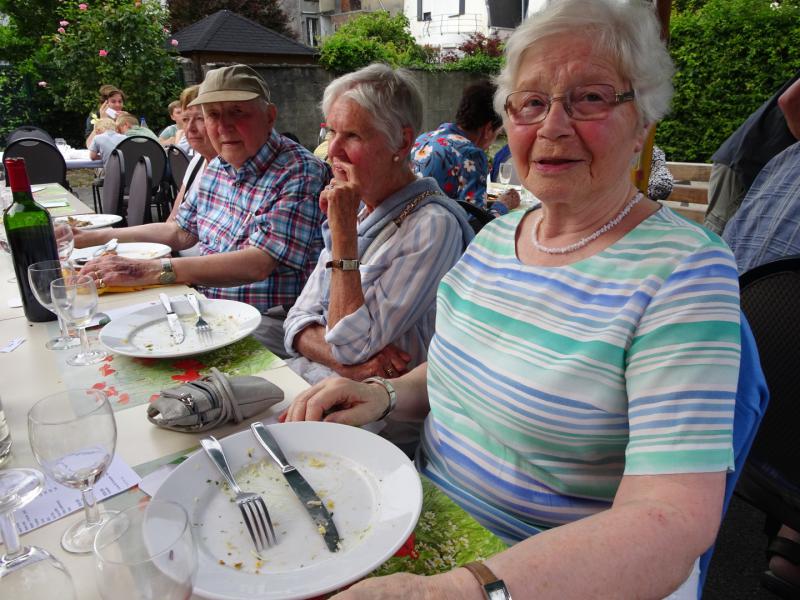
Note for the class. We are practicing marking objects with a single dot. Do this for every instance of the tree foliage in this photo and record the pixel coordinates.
(268, 13)
(730, 55)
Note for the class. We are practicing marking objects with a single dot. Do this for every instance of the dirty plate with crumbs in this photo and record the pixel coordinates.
(369, 486)
(145, 332)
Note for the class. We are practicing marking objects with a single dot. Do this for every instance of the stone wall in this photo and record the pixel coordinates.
(297, 91)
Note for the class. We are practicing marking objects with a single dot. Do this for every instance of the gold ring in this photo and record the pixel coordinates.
(100, 283)
(389, 371)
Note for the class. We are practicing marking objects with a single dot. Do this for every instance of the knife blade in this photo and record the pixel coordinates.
(172, 320)
(306, 494)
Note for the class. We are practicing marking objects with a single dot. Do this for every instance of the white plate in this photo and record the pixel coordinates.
(96, 221)
(140, 250)
(145, 332)
(371, 487)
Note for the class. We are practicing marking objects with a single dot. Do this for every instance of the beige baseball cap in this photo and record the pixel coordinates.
(231, 84)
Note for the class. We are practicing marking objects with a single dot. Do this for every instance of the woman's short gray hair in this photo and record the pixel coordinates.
(390, 95)
(625, 29)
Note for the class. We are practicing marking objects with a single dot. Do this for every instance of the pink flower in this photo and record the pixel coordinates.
(103, 53)
(63, 23)
(61, 30)
(43, 84)
(174, 42)
(83, 6)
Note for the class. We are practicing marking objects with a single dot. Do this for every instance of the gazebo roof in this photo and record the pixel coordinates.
(229, 33)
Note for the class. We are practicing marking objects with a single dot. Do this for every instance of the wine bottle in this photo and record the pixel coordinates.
(30, 237)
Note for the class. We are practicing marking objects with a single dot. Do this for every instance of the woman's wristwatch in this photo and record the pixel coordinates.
(493, 588)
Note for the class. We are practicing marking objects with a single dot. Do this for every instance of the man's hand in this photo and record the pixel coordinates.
(510, 198)
(111, 270)
(389, 362)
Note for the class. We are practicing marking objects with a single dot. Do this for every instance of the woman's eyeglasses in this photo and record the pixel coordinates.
(583, 103)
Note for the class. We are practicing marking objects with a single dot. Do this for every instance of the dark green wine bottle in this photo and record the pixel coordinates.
(30, 236)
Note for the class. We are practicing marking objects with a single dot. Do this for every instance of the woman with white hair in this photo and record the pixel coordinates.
(580, 386)
(369, 306)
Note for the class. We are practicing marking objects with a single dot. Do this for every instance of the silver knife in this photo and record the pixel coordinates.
(308, 497)
(172, 320)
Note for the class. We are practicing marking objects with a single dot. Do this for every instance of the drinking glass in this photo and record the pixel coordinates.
(146, 553)
(75, 299)
(40, 276)
(506, 170)
(73, 435)
(26, 571)
(64, 239)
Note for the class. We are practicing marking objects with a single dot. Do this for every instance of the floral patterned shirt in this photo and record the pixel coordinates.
(456, 163)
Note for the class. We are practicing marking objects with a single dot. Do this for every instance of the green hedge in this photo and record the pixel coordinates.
(730, 56)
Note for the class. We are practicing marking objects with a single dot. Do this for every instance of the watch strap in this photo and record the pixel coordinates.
(346, 264)
(493, 588)
(387, 385)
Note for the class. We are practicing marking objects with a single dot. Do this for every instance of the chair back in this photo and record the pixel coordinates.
(771, 480)
(478, 217)
(140, 193)
(43, 161)
(752, 398)
(178, 163)
(30, 132)
(137, 146)
(113, 184)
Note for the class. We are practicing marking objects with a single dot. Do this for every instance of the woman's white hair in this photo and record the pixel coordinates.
(390, 95)
(627, 30)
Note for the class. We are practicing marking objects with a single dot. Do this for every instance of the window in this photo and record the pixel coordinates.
(426, 16)
(312, 31)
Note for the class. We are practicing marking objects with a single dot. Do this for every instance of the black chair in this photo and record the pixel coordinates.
(137, 146)
(140, 196)
(770, 480)
(113, 184)
(43, 161)
(479, 216)
(178, 163)
(30, 132)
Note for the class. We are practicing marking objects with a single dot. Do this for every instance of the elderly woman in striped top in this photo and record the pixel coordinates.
(580, 386)
(369, 306)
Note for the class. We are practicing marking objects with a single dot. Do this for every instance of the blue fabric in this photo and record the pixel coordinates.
(752, 397)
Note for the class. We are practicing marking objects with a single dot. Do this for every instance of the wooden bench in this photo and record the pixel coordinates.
(689, 195)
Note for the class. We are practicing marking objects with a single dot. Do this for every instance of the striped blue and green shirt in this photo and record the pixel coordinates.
(548, 384)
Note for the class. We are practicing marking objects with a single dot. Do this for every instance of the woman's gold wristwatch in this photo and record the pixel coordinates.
(494, 588)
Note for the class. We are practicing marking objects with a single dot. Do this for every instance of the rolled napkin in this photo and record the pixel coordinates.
(206, 403)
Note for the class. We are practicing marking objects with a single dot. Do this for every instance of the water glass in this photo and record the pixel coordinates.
(64, 239)
(73, 435)
(146, 553)
(40, 276)
(5, 437)
(75, 299)
(506, 170)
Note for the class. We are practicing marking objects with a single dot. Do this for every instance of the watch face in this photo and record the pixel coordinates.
(166, 277)
(497, 590)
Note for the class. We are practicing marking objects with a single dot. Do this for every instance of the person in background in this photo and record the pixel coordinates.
(255, 211)
(169, 134)
(105, 138)
(128, 125)
(740, 158)
(112, 101)
(454, 154)
(368, 308)
(580, 386)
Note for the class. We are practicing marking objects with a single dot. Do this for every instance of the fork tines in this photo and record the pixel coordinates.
(256, 518)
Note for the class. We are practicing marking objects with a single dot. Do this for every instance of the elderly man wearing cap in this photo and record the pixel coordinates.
(255, 213)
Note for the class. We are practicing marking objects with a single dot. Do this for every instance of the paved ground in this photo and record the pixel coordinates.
(739, 555)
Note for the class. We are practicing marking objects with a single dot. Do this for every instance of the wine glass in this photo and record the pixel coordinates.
(40, 276)
(64, 239)
(506, 170)
(75, 299)
(26, 571)
(73, 434)
(146, 553)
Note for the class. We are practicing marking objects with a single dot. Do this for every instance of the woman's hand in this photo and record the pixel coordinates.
(102, 112)
(341, 198)
(348, 402)
(111, 270)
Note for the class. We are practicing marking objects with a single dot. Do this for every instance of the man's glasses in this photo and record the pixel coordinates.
(583, 102)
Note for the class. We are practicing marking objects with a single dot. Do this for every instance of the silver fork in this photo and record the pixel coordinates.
(203, 328)
(252, 507)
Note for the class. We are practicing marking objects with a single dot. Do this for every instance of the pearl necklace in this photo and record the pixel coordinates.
(589, 238)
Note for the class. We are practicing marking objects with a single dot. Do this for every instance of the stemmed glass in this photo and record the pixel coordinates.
(506, 169)
(64, 239)
(75, 299)
(146, 553)
(26, 571)
(40, 276)
(73, 435)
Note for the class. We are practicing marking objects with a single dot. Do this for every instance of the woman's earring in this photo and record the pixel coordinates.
(395, 158)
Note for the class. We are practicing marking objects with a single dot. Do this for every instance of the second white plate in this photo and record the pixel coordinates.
(94, 221)
(138, 250)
